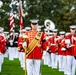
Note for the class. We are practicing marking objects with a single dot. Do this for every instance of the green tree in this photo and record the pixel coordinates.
(61, 12)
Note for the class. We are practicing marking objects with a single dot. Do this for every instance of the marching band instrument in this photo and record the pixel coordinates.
(11, 42)
(67, 41)
(49, 24)
(24, 45)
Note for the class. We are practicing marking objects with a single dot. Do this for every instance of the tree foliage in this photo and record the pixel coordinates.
(61, 12)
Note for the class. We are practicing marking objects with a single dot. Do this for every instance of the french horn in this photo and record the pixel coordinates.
(49, 24)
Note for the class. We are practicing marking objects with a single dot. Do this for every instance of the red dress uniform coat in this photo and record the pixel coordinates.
(70, 51)
(54, 43)
(20, 42)
(46, 43)
(37, 51)
(75, 49)
(2, 44)
(61, 44)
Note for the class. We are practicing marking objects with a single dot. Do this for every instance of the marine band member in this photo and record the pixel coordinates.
(33, 60)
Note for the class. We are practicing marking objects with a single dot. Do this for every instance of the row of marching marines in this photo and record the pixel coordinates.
(57, 51)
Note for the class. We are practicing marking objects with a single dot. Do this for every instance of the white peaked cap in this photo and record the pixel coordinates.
(1, 29)
(16, 33)
(72, 26)
(62, 32)
(34, 21)
(27, 28)
(23, 30)
(45, 29)
(55, 30)
(6, 32)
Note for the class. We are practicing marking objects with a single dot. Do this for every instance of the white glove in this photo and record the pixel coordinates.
(44, 53)
(63, 49)
(24, 44)
(52, 44)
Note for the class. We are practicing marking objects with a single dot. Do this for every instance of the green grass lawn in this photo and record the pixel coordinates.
(13, 68)
(49, 71)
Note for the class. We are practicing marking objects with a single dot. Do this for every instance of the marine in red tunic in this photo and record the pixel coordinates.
(70, 50)
(54, 41)
(37, 51)
(33, 61)
(61, 43)
(2, 44)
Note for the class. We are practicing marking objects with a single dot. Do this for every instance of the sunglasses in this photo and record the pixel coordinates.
(55, 32)
(34, 23)
(62, 34)
(46, 31)
(73, 28)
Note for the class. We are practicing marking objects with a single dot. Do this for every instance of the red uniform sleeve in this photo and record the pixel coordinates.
(2, 44)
